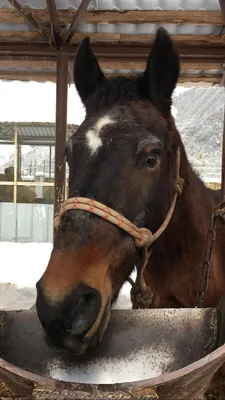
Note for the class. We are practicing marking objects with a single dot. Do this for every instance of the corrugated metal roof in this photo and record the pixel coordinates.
(124, 4)
(128, 5)
(140, 29)
(31, 133)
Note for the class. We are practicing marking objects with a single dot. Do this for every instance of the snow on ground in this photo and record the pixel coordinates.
(22, 264)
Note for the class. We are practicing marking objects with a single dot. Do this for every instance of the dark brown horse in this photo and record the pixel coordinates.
(124, 156)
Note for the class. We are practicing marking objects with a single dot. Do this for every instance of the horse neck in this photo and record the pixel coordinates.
(186, 231)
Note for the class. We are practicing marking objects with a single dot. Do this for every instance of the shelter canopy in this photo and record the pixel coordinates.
(121, 31)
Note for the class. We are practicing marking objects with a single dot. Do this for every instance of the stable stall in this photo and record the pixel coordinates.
(27, 171)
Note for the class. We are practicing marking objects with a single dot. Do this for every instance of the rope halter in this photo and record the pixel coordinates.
(143, 237)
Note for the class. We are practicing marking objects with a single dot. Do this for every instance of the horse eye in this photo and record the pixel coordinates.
(152, 159)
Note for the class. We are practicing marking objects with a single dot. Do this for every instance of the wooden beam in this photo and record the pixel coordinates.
(21, 49)
(200, 78)
(51, 76)
(113, 64)
(155, 16)
(135, 51)
(76, 20)
(211, 79)
(188, 40)
(222, 83)
(54, 23)
(191, 40)
(29, 17)
(20, 36)
(120, 64)
(223, 161)
(222, 6)
(33, 63)
(28, 76)
(123, 17)
(116, 38)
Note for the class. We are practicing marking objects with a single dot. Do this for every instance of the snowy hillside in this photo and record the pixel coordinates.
(199, 119)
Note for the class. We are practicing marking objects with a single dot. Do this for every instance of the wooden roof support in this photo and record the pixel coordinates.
(51, 76)
(108, 64)
(222, 82)
(54, 23)
(28, 76)
(29, 16)
(134, 51)
(76, 20)
(222, 6)
(198, 40)
(187, 40)
(212, 17)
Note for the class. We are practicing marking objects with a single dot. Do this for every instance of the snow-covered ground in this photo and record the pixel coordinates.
(22, 264)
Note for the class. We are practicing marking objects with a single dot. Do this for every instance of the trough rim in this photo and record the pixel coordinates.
(216, 355)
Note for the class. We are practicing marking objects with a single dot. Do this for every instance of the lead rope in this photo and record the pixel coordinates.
(141, 294)
(218, 216)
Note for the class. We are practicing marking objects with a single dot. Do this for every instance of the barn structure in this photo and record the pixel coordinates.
(39, 39)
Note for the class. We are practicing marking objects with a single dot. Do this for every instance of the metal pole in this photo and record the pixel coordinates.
(50, 163)
(15, 164)
(223, 158)
(18, 157)
(61, 125)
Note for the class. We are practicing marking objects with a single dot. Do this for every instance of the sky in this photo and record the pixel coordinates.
(35, 102)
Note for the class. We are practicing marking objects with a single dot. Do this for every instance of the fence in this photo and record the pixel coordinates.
(34, 222)
(26, 222)
(213, 185)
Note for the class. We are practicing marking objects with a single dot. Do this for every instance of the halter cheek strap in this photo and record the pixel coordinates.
(141, 294)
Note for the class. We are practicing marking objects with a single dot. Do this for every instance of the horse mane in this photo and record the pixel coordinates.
(114, 91)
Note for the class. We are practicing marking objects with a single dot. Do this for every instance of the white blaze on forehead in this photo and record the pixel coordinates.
(93, 135)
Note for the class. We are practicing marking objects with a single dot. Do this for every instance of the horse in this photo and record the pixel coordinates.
(125, 156)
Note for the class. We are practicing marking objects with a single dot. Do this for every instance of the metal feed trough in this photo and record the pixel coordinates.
(145, 354)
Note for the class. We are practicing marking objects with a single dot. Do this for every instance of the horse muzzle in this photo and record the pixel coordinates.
(78, 344)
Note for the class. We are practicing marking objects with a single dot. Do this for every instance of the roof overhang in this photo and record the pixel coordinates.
(32, 31)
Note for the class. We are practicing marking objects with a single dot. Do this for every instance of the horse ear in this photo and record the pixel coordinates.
(87, 72)
(162, 72)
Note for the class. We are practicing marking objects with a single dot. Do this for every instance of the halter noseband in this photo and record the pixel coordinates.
(141, 294)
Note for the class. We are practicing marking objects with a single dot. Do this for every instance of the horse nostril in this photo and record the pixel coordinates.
(73, 317)
(86, 300)
(83, 313)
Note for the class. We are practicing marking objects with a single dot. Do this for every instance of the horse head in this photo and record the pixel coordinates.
(123, 155)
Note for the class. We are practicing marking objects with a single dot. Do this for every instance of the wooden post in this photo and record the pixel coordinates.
(61, 125)
(222, 83)
(223, 158)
